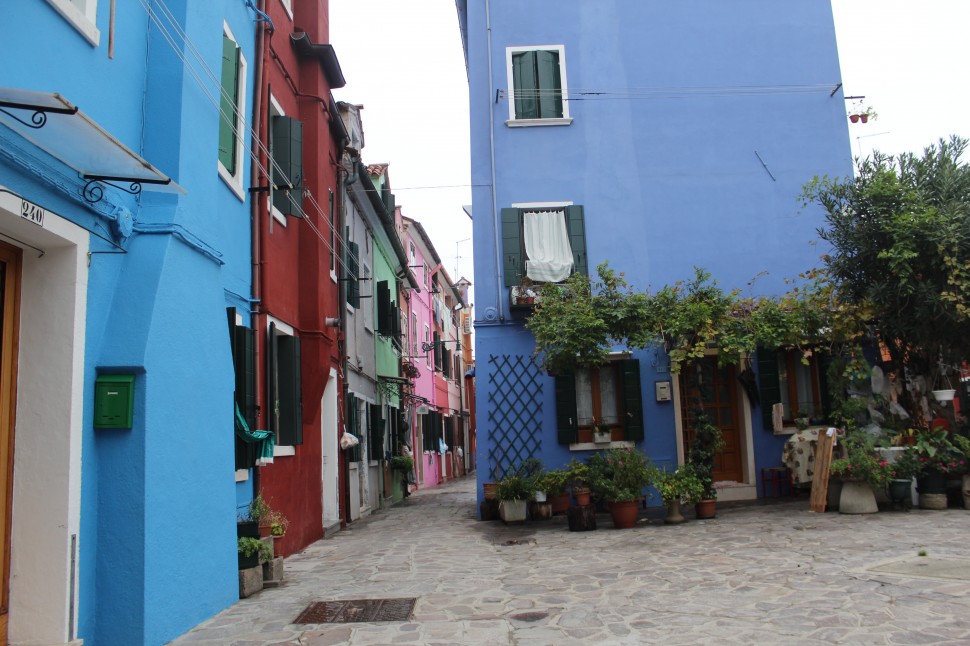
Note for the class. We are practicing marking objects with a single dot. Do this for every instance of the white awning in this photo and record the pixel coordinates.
(56, 126)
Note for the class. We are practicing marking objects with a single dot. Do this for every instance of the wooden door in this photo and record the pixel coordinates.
(9, 336)
(716, 390)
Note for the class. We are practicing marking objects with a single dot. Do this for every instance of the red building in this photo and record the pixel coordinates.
(297, 268)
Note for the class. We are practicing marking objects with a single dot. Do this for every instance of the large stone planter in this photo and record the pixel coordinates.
(857, 498)
(512, 511)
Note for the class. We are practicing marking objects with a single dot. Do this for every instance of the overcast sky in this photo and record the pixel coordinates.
(403, 61)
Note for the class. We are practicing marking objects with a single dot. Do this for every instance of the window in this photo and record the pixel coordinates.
(527, 250)
(414, 333)
(288, 7)
(82, 14)
(800, 388)
(537, 78)
(286, 150)
(333, 238)
(608, 396)
(352, 266)
(388, 313)
(285, 387)
(427, 340)
(375, 433)
(231, 110)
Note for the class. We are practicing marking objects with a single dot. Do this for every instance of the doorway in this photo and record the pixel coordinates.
(330, 454)
(714, 389)
(10, 267)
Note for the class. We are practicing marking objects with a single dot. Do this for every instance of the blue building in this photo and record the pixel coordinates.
(658, 136)
(124, 238)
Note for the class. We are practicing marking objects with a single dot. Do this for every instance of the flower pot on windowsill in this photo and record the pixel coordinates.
(601, 437)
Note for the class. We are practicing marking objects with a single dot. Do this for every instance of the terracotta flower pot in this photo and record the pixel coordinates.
(624, 513)
(854, 118)
(705, 509)
(582, 497)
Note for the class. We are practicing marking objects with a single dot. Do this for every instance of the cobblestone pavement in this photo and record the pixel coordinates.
(757, 574)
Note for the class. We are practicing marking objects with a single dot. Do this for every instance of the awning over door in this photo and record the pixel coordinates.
(56, 126)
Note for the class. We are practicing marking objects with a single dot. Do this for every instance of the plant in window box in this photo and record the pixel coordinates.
(402, 463)
(252, 552)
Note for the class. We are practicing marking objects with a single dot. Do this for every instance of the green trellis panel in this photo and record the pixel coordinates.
(515, 411)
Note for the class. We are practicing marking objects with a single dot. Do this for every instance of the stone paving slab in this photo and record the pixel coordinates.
(758, 573)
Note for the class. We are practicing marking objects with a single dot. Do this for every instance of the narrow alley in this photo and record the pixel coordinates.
(756, 573)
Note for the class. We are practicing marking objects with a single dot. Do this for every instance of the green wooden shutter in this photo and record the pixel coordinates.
(383, 308)
(550, 84)
(229, 104)
(769, 384)
(436, 349)
(512, 266)
(375, 438)
(576, 227)
(632, 399)
(272, 382)
(525, 85)
(290, 391)
(567, 422)
(244, 360)
(396, 323)
(353, 272)
(287, 150)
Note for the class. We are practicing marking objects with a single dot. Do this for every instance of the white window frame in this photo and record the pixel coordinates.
(235, 180)
(82, 15)
(512, 122)
(275, 110)
(288, 7)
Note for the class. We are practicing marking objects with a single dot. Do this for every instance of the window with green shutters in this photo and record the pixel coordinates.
(285, 387)
(514, 254)
(352, 425)
(286, 147)
(608, 397)
(537, 81)
(375, 434)
(800, 386)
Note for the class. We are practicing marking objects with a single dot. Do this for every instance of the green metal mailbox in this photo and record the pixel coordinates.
(114, 401)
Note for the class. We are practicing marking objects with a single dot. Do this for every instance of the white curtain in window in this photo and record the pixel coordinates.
(608, 413)
(584, 396)
(547, 244)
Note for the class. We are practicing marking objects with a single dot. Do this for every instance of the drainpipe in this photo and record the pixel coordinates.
(499, 285)
(256, 240)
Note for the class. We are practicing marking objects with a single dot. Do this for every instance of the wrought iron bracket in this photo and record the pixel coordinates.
(39, 118)
(93, 191)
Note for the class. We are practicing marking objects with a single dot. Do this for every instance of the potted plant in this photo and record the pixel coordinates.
(676, 488)
(619, 476)
(402, 463)
(937, 458)
(578, 477)
(554, 483)
(278, 524)
(513, 494)
(259, 512)
(706, 443)
(252, 552)
(905, 466)
(861, 470)
(962, 445)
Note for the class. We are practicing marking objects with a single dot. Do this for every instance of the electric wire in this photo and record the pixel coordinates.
(172, 42)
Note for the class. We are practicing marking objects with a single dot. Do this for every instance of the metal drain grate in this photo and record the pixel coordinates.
(356, 610)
